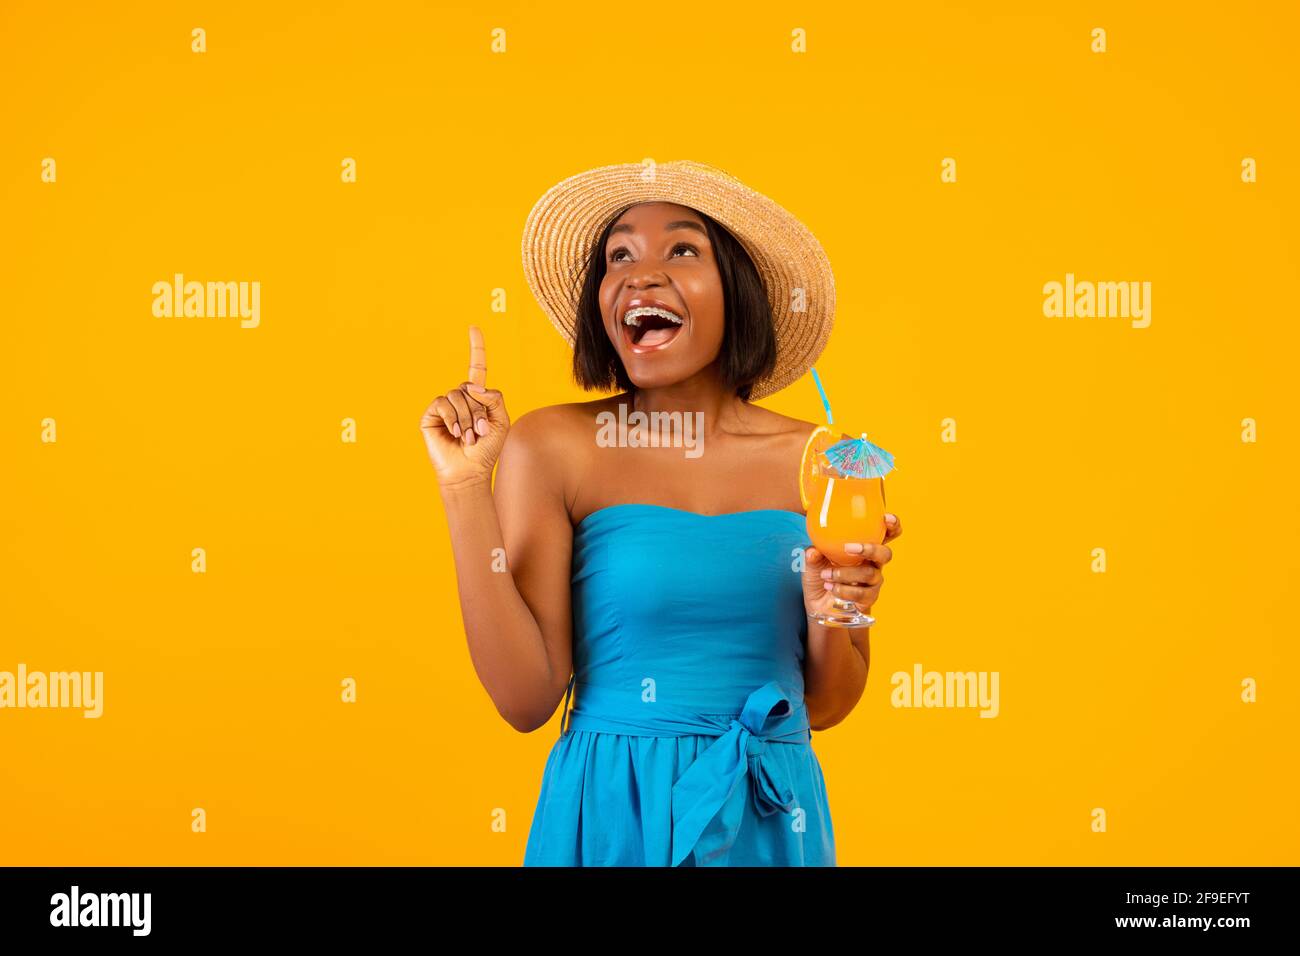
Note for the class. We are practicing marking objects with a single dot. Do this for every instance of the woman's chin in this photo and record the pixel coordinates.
(650, 377)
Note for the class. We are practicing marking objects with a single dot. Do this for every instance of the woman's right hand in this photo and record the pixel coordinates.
(466, 428)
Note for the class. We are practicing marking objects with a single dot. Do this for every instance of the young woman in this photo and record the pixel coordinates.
(663, 577)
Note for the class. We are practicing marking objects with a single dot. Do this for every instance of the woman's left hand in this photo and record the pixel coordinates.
(824, 581)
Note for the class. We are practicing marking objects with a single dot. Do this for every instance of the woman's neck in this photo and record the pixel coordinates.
(722, 410)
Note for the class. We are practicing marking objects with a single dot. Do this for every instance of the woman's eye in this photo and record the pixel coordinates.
(613, 256)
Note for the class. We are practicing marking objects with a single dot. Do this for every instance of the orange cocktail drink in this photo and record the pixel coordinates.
(840, 509)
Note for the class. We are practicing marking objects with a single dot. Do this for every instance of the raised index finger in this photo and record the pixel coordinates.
(477, 356)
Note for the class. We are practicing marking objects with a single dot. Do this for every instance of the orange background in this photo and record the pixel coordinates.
(329, 560)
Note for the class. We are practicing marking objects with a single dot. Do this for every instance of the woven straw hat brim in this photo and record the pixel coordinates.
(565, 222)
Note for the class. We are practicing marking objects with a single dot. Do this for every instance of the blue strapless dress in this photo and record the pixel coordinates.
(689, 742)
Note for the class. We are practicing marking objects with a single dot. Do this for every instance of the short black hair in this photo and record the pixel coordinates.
(748, 350)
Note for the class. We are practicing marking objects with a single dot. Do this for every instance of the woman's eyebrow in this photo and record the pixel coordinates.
(669, 227)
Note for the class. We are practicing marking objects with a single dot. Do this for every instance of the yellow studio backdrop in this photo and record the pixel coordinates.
(1099, 510)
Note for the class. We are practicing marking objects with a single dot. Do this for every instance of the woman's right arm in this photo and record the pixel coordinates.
(512, 550)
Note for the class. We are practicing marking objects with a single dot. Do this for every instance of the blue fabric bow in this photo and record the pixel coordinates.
(708, 799)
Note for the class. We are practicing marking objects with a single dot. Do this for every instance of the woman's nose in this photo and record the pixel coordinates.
(647, 278)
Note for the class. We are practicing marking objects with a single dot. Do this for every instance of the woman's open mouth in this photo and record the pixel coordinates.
(650, 328)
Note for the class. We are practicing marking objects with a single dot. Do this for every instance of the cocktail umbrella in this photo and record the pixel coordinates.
(859, 458)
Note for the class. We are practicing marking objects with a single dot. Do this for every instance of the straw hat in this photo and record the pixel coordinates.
(571, 214)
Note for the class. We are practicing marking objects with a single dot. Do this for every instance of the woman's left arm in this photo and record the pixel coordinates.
(837, 660)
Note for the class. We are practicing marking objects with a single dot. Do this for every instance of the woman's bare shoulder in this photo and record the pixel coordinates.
(777, 424)
(562, 421)
(552, 442)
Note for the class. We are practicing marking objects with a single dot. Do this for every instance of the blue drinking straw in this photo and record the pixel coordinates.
(825, 401)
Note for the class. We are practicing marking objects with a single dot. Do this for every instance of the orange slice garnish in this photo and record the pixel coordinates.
(808, 464)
